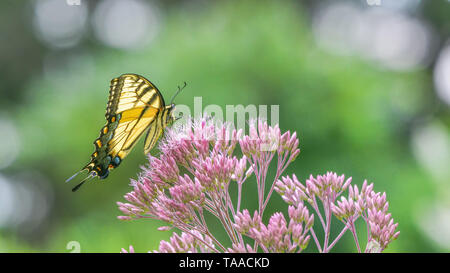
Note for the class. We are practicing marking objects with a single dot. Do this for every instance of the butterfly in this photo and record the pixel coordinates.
(134, 106)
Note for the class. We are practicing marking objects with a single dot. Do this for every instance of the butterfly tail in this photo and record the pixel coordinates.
(90, 176)
(73, 176)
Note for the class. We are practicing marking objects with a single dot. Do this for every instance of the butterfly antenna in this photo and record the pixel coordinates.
(83, 181)
(178, 92)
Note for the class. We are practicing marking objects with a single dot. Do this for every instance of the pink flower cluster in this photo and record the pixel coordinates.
(278, 235)
(365, 203)
(190, 181)
(193, 242)
(184, 243)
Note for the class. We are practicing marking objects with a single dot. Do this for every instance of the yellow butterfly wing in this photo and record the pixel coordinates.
(131, 126)
(164, 118)
(131, 91)
(134, 105)
(153, 134)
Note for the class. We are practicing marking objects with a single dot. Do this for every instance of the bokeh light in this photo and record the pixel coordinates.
(126, 24)
(434, 220)
(25, 200)
(333, 27)
(9, 142)
(389, 37)
(399, 41)
(6, 202)
(401, 5)
(431, 147)
(442, 75)
(58, 24)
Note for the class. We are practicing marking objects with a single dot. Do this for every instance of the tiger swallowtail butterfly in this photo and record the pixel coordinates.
(134, 106)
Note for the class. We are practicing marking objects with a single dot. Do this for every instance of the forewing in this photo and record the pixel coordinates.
(131, 91)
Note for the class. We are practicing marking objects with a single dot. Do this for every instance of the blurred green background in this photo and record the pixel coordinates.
(366, 85)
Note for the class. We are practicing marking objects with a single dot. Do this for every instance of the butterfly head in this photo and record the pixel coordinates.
(170, 116)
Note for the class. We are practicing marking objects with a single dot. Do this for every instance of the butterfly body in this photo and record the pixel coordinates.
(135, 105)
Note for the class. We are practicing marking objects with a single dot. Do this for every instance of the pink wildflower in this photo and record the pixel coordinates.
(197, 164)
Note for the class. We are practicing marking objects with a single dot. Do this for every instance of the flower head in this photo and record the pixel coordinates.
(382, 226)
(191, 178)
(187, 242)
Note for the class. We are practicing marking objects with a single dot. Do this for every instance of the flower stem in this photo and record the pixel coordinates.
(337, 238)
(316, 240)
(355, 236)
